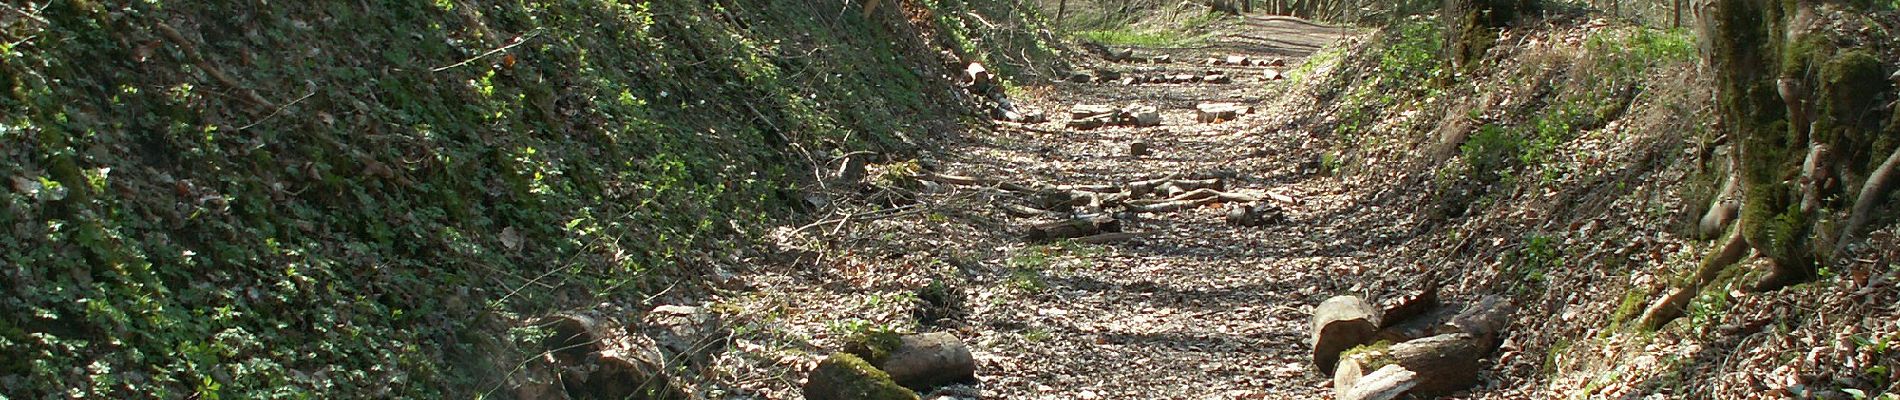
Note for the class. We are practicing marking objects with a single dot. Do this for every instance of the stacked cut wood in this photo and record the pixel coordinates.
(1209, 77)
(1244, 61)
(1220, 112)
(1436, 350)
(1091, 116)
(1160, 195)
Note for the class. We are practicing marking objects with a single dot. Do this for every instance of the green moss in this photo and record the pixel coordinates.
(1375, 355)
(843, 376)
(1851, 84)
(874, 346)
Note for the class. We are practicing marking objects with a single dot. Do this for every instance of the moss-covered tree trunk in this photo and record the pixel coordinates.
(1800, 110)
(1472, 26)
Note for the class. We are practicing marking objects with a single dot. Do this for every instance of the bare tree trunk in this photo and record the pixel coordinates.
(1061, 9)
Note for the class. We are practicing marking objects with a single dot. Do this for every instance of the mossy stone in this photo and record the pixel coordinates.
(844, 376)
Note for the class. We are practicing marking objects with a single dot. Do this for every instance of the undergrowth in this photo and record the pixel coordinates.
(336, 199)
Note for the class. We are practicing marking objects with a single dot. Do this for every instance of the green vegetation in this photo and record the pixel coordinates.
(326, 199)
(1131, 37)
(843, 376)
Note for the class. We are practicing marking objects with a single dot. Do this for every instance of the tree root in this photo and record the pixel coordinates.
(1672, 306)
(1878, 184)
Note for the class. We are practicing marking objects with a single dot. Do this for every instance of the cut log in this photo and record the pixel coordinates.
(1484, 322)
(977, 76)
(1071, 229)
(1238, 60)
(1142, 116)
(1340, 323)
(1131, 80)
(1444, 364)
(927, 360)
(1167, 206)
(1080, 78)
(1411, 304)
(1254, 214)
(1091, 122)
(1272, 75)
(1215, 61)
(1139, 148)
(1385, 384)
(1220, 79)
(1085, 111)
(1217, 112)
(1277, 62)
(1183, 78)
(844, 376)
(1161, 59)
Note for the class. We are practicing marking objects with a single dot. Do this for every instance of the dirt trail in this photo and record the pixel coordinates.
(1201, 309)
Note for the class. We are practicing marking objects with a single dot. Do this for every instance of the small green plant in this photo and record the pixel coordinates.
(1037, 334)
(1489, 154)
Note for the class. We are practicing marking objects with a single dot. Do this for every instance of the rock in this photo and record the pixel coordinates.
(575, 337)
(1385, 384)
(1217, 112)
(685, 336)
(1131, 80)
(844, 376)
(1107, 75)
(1121, 55)
(919, 361)
(1277, 62)
(1080, 78)
(1161, 59)
(620, 377)
(1139, 148)
(1183, 78)
(1215, 61)
(1272, 75)
(1340, 323)
(1238, 60)
(1444, 364)
(1218, 79)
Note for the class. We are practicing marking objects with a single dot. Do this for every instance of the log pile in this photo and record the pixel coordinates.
(1421, 349)
(1208, 77)
(1244, 61)
(1091, 116)
(1100, 202)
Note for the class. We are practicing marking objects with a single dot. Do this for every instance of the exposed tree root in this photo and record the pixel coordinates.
(1672, 306)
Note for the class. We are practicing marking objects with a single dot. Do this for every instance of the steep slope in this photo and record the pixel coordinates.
(346, 199)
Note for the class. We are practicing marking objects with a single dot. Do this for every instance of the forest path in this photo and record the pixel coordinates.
(1198, 309)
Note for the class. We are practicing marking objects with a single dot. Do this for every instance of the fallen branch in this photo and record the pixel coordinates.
(518, 41)
(198, 59)
(1112, 237)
